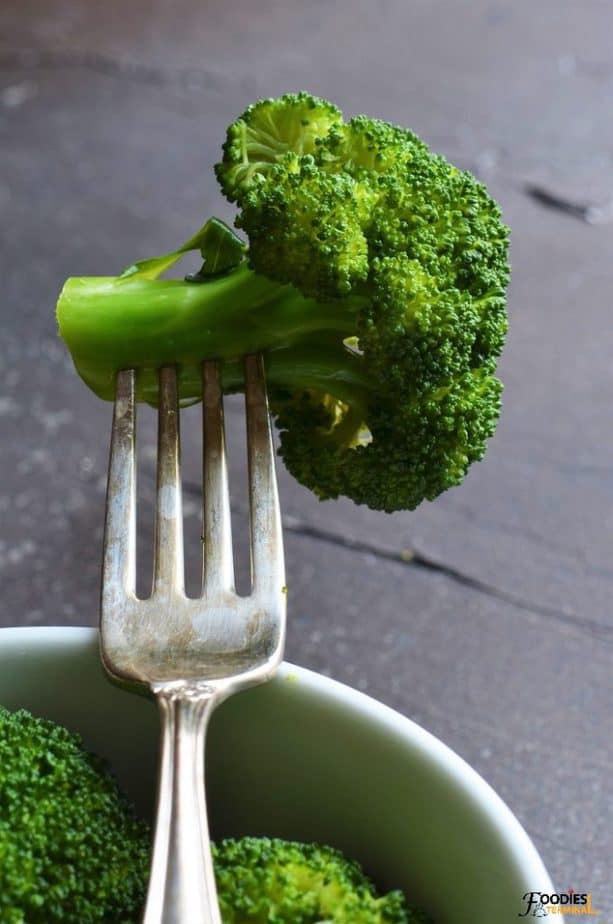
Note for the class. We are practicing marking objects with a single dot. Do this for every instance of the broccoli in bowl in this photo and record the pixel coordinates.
(72, 850)
(373, 280)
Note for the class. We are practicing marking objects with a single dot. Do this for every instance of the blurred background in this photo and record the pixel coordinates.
(486, 615)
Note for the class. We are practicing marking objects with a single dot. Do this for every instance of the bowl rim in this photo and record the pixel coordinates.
(407, 733)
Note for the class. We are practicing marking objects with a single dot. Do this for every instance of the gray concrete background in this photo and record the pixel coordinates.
(497, 634)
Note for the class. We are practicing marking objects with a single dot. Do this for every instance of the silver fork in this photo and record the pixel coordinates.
(191, 653)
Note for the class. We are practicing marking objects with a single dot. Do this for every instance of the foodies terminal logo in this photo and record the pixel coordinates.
(543, 904)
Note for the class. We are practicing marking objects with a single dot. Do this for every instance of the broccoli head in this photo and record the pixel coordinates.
(373, 281)
(71, 849)
(260, 880)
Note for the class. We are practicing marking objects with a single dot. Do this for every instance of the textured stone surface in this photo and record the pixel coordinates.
(498, 635)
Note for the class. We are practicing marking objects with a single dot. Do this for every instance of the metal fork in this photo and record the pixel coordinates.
(191, 653)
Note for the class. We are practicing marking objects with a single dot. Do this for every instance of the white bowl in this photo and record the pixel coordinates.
(307, 758)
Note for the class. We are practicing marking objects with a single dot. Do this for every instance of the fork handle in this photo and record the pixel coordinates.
(182, 881)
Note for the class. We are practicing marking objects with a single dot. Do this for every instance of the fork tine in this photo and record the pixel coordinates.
(119, 555)
(267, 567)
(168, 548)
(218, 563)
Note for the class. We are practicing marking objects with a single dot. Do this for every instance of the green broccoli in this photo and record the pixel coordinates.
(71, 849)
(262, 880)
(374, 282)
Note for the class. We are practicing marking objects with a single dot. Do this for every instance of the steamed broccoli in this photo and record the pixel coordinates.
(262, 880)
(70, 848)
(374, 282)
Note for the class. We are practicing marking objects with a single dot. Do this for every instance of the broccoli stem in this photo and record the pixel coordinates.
(111, 323)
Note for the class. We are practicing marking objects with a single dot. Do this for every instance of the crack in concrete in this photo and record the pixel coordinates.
(591, 214)
(413, 556)
(579, 468)
(188, 79)
(417, 558)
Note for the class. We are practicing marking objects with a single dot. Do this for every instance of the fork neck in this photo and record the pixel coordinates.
(182, 884)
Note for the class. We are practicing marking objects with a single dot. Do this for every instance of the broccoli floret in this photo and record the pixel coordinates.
(267, 131)
(374, 282)
(262, 880)
(71, 850)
